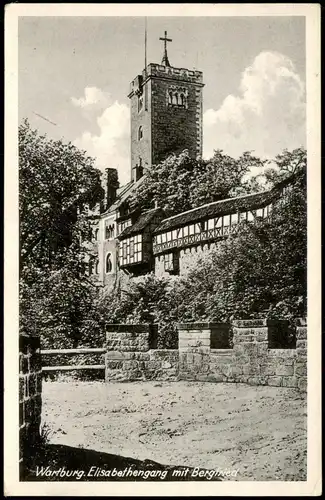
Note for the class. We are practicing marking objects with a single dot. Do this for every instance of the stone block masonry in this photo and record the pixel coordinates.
(131, 354)
(30, 394)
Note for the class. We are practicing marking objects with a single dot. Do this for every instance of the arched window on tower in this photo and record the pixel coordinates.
(108, 264)
(182, 100)
(175, 98)
(170, 98)
(140, 133)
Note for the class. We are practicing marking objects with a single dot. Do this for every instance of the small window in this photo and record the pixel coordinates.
(182, 100)
(140, 102)
(109, 266)
(234, 219)
(96, 234)
(91, 266)
(96, 267)
(132, 248)
(109, 231)
(140, 133)
(226, 220)
(170, 98)
(250, 216)
(175, 98)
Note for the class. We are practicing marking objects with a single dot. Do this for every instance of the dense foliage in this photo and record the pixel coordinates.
(259, 270)
(180, 183)
(57, 184)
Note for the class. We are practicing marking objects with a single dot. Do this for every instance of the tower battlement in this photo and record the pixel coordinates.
(166, 72)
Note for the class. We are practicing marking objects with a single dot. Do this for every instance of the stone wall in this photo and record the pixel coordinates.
(251, 360)
(30, 394)
(131, 354)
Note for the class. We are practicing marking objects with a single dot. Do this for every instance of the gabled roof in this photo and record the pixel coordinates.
(122, 194)
(219, 208)
(144, 219)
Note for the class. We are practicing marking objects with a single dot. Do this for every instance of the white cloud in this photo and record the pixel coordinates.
(266, 116)
(93, 98)
(111, 146)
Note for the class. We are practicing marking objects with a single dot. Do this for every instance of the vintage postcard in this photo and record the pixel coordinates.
(162, 250)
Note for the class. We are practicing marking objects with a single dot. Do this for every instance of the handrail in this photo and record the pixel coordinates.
(80, 350)
(72, 367)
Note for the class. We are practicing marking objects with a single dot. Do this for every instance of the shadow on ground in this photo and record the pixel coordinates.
(56, 462)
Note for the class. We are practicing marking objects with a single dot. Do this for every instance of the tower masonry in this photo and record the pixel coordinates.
(166, 114)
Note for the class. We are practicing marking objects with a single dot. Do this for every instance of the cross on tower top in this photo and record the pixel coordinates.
(165, 60)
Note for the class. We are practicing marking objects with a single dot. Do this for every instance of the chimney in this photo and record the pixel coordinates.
(111, 184)
(138, 170)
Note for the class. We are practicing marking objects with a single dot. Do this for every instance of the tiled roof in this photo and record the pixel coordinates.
(141, 223)
(218, 208)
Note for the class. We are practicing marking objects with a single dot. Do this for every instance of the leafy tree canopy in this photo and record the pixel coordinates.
(57, 185)
(180, 182)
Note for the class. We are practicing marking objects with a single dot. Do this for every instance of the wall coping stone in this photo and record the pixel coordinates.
(201, 326)
(129, 328)
(251, 323)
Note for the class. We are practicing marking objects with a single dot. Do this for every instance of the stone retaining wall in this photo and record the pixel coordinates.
(251, 360)
(30, 394)
(131, 354)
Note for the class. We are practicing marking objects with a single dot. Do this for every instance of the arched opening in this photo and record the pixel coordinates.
(97, 267)
(96, 234)
(182, 99)
(175, 98)
(170, 98)
(108, 266)
(140, 133)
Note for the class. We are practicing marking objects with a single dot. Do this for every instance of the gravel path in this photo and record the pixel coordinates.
(261, 431)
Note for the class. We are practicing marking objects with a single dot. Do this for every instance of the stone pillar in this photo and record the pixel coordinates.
(30, 394)
(194, 350)
(127, 348)
(250, 349)
(301, 354)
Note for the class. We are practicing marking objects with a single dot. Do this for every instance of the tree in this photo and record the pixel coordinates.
(259, 270)
(286, 164)
(57, 184)
(180, 183)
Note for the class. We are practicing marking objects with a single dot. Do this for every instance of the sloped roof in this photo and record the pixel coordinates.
(218, 208)
(122, 194)
(144, 219)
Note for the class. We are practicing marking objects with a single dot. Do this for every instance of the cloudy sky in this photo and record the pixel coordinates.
(75, 72)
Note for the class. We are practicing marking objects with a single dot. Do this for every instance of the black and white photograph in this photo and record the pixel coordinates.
(159, 250)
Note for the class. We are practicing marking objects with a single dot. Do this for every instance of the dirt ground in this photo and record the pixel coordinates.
(259, 431)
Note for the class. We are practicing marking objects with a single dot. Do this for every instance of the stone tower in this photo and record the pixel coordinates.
(166, 113)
